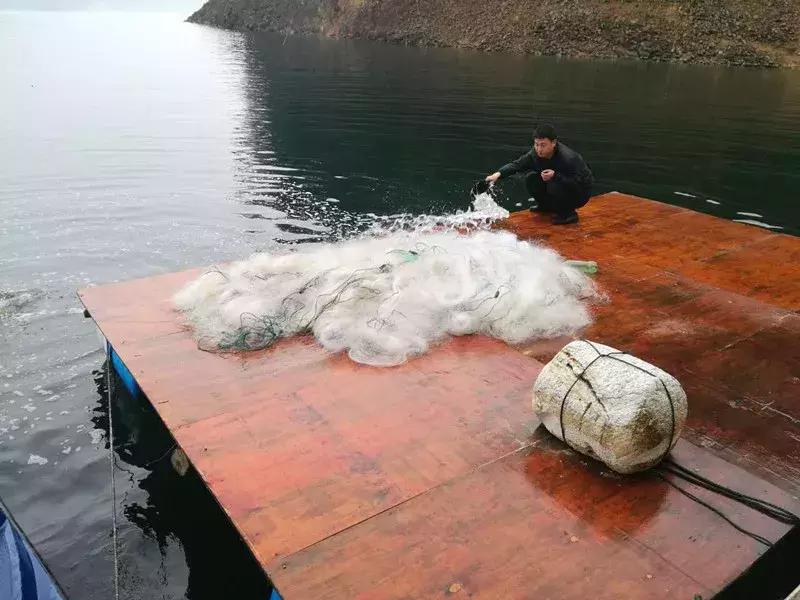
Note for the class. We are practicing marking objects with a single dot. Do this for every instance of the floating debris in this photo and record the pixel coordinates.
(35, 459)
(749, 214)
(684, 194)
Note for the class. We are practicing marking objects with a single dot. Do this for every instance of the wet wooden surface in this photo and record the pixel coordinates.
(431, 480)
(715, 303)
(538, 524)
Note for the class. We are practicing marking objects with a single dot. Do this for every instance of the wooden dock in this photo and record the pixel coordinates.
(431, 480)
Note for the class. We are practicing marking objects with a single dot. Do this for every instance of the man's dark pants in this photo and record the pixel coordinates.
(555, 196)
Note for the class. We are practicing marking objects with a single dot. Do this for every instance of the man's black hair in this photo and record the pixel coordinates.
(545, 130)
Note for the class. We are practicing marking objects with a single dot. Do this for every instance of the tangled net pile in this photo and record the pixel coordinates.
(386, 298)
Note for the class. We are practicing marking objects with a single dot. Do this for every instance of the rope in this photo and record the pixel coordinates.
(768, 509)
(670, 467)
(163, 456)
(113, 478)
(691, 496)
(616, 356)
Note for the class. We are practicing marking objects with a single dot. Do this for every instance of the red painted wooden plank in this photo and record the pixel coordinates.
(541, 523)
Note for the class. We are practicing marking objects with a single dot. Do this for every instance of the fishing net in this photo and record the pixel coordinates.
(390, 295)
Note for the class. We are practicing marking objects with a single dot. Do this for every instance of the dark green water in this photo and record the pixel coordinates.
(137, 144)
(412, 128)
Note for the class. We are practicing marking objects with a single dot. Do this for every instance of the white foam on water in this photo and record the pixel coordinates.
(713, 202)
(482, 213)
(757, 224)
(750, 214)
(684, 194)
(35, 459)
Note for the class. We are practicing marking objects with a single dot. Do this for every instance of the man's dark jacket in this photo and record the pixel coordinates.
(571, 170)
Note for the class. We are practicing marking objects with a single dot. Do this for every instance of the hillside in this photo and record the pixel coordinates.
(735, 32)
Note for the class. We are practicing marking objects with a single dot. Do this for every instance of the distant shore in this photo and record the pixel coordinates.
(732, 32)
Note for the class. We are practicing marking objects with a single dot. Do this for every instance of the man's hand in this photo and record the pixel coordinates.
(548, 174)
(493, 177)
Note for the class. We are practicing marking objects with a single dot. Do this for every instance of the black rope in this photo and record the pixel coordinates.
(160, 458)
(578, 377)
(769, 509)
(670, 467)
(755, 536)
(616, 356)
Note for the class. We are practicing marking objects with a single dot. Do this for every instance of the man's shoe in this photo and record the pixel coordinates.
(535, 207)
(566, 219)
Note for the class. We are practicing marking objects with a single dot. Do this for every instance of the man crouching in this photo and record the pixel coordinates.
(556, 177)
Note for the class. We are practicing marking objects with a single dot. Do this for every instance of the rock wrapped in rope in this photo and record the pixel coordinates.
(610, 405)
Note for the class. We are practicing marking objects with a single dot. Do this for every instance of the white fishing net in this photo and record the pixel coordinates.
(390, 295)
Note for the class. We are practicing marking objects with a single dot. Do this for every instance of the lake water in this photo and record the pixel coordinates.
(137, 144)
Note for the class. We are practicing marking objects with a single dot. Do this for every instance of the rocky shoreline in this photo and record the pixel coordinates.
(731, 32)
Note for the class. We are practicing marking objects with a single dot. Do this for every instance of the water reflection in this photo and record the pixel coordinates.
(173, 536)
(383, 129)
(138, 145)
(607, 502)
